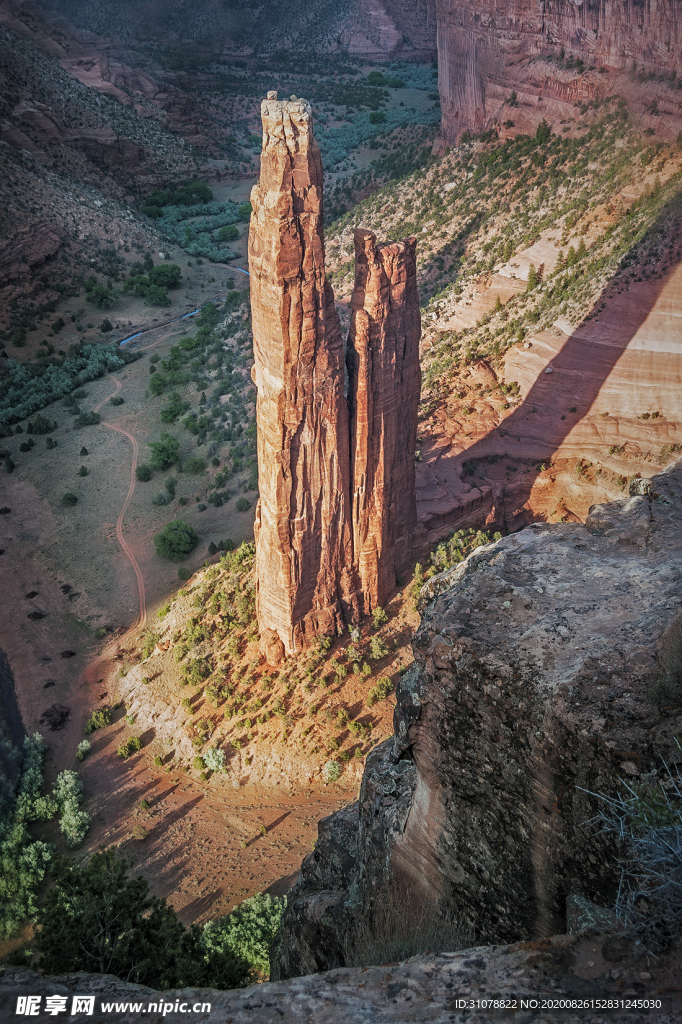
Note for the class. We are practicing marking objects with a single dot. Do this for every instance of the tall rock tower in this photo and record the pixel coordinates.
(383, 395)
(337, 510)
(304, 555)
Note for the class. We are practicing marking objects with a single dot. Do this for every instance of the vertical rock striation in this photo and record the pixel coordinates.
(383, 396)
(337, 511)
(302, 529)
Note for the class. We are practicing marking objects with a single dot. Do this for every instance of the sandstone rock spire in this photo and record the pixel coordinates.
(304, 553)
(383, 396)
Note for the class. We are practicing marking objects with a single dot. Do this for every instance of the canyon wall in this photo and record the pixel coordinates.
(481, 46)
(337, 510)
(384, 387)
(532, 689)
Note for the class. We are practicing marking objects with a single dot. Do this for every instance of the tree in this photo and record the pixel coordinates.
(533, 278)
(97, 918)
(175, 541)
(228, 234)
(100, 296)
(143, 472)
(243, 504)
(69, 499)
(166, 275)
(165, 452)
(106, 326)
(544, 133)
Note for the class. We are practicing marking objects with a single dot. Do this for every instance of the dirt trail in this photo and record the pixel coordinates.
(119, 522)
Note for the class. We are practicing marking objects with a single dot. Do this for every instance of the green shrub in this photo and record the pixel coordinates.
(379, 617)
(83, 471)
(41, 425)
(243, 504)
(377, 648)
(195, 466)
(331, 771)
(69, 499)
(24, 861)
(99, 719)
(158, 760)
(116, 400)
(86, 419)
(143, 472)
(198, 763)
(184, 573)
(68, 794)
(383, 689)
(215, 760)
(84, 748)
(249, 931)
(165, 452)
(129, 746)
(175, 541)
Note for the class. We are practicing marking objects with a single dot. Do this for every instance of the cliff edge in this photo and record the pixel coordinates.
(534, 686)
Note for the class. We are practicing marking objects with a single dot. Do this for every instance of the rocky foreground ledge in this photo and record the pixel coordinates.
(581, 979)
(541, 666)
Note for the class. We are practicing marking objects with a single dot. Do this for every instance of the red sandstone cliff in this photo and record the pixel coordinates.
(383, 394)
(302, 528)
(482, 46)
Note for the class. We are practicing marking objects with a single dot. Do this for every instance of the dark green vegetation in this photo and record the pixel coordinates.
(96, 918)
(25, 389)
(175, 541)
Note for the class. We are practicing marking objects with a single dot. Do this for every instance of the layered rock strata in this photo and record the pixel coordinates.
(302, 529)
(383, 393)
(337, 513)
(481, 44)
(532, 689)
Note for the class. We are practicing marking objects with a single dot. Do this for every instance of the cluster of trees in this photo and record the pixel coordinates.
(95, 917)
(24, 389)
(192, 194)
(153, 282)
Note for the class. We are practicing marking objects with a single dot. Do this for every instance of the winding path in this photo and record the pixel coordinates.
(119, 522)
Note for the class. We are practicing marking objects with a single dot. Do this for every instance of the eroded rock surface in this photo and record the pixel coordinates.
(531, 690)
(302, 528)
(385, 382)
(336, 518)
(438, 989)
(483, 51)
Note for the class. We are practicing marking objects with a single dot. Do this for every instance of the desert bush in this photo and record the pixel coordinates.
(129, 746)
(143, 472)
(83, 471)
(199, 763)
(165, 452)
(249, 931)
(331, 771)
(195, 466)
(68, 794)
(377, 648)
(215, 759)
(69, 499)
(646, 821)
(41, 425)
(379, 617)
(99, 719)
(243, 504)
(84, 748)
(24, 861)
(184, 573)
(116, 400)
(383, 689)
(175, 541)
(86, 419)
